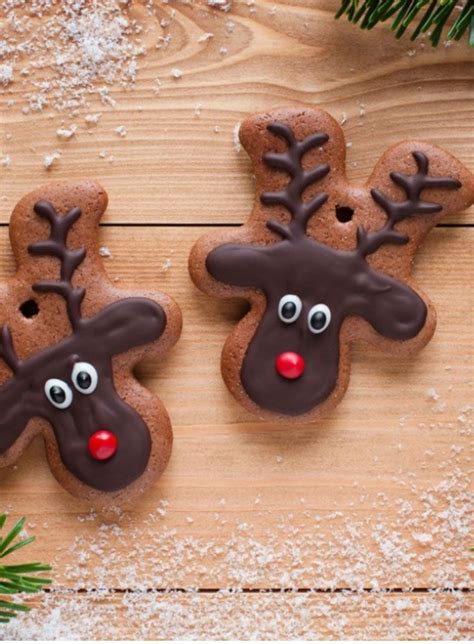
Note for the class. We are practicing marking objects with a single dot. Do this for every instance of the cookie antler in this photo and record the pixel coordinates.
(314, 290)
(413, 185)
(7, 350)
(105, 437)
(292, 196)
(56, 246)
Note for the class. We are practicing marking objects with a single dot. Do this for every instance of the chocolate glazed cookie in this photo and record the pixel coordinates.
(69, 341)
(323, 263)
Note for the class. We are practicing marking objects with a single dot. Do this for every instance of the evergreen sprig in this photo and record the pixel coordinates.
(19, 578)
(402, 13)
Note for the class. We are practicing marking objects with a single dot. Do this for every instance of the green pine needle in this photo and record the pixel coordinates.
(424, 15)
(17, 578)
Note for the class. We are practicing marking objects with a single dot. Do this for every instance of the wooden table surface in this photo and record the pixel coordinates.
(374, 498)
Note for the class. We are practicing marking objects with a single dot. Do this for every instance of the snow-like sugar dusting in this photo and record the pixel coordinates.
(77, 46)
(374, 560)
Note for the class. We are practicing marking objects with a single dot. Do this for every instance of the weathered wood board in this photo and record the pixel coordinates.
(377, 495)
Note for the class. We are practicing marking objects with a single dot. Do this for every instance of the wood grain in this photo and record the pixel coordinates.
(270, 616)
(377, 496)
(399, 434)
(174, 167)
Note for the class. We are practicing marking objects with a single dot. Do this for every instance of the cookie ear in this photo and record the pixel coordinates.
(402, 160)
(393, 308)
(238, 265)
(126, 324)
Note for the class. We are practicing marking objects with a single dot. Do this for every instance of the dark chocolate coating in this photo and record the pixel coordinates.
(117, 328)
(319, 274)
(121, 326)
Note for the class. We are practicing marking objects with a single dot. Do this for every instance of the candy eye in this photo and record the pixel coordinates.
(85, 378)
(289, 308)
(58, 393)
(319, 318)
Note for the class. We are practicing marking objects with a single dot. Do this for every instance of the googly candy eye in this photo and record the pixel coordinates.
(289, 308)
(58, 393)
(319, 318)
(85, 378)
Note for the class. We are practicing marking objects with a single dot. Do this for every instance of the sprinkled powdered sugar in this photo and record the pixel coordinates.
(223, 5)
(5, 161)
(81, 50)
(235, 137)
(72, 56)
(374, 559)
(92, 119)
(104, 251)
(77, 46)
(230, 615)
(50, 159)
(6, 74)
(121, 130)
(66, 132)
(205, 37)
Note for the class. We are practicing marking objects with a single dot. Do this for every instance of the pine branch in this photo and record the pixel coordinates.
(19, 578)
(404, 13)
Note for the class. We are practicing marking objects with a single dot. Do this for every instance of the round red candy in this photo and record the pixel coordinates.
(290, 365)
(102, 445)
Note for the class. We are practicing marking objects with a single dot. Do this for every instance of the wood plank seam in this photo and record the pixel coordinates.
(257, 591)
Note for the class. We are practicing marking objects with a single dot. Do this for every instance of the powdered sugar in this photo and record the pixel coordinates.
(418, 533)
(50, 159)
(6, 74)
(233, 615)
(66, 132)
(235, 137)
(78, 49)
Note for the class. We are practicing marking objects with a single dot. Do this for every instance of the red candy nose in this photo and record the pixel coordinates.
(102, 445)
(290, 365)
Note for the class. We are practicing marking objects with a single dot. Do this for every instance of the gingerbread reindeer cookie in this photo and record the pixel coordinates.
(69, 341)
(323, 263)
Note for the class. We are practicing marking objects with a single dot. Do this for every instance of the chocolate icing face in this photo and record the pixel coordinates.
(317, 274)
(329, 284)
(71, 383)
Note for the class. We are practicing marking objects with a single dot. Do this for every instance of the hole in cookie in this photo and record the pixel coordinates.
(29, 309)
(344, 214)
